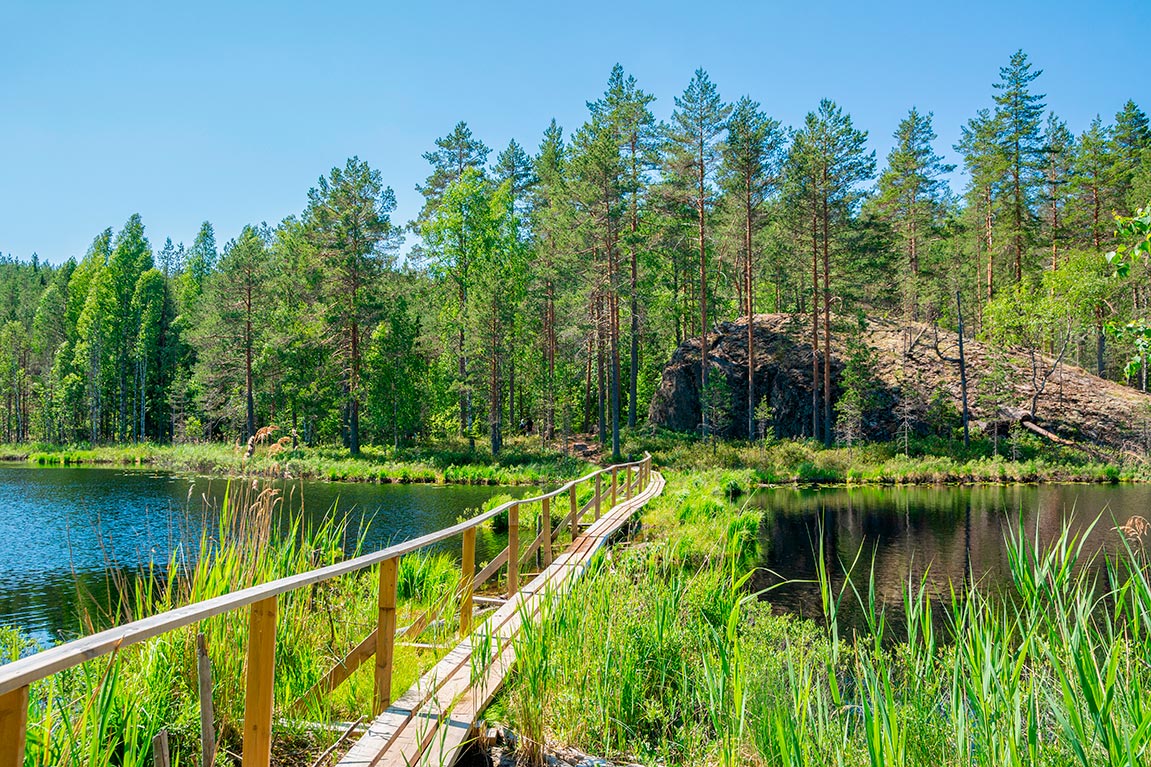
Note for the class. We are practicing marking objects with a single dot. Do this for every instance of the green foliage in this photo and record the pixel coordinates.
(660, 659)
(1134, 251)
(553, 288)
(859, 388)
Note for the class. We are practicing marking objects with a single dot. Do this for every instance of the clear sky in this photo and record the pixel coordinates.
(230, 111)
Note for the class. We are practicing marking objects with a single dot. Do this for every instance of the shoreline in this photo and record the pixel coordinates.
(792, 463)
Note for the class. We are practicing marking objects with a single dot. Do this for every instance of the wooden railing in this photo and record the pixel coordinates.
(17, 676)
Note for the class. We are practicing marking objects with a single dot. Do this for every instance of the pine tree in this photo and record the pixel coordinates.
(913, 196)
(550, 223)
(752, 157)
(692, 155)
(627, 108)
(1059, 154)
(454, 153)
(598, 190)
(198, 263)
(1130, 140)
(1018, 114)
(984, 162)
(826, 166)
(350, 227)
(515, 169)
(1092, 166)
(232, 327)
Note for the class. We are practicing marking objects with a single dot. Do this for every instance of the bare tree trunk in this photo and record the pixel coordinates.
(988, 222)
(495, 396)
(587, 389)
(814, 323)
(826, 326)
(702, 289)
(550, 342)
(963, 371)
(249, 398)
(750, 313)
(633, 373)
(354, 393)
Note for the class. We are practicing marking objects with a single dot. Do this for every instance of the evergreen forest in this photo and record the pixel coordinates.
(544, 287)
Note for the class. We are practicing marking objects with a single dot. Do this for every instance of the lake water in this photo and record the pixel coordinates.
(951, 535)
(65, 531)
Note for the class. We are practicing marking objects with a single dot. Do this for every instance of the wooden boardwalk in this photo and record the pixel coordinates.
(429, 723)
(435, 720)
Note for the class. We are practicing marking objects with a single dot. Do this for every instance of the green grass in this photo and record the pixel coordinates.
(524, 462)
(928, 461)
(1025, 458)
(106, 711)
(661, 656)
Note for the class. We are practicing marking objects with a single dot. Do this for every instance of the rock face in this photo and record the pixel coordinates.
(782, 373)
(1075, 404)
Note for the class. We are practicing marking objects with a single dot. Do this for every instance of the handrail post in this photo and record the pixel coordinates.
(598, 494)
(385, 635)
(573, 522)
(546, 523)
(513, 549)
(258, 696)
(13, 726)
(468, 565)
(614, 486)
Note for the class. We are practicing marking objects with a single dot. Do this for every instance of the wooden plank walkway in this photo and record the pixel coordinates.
(434, 721)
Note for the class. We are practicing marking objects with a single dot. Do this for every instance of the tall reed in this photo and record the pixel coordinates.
(107, 711)
(656, 657)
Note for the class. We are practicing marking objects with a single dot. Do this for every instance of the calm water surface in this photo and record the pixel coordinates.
(65, 532)
(950, 535)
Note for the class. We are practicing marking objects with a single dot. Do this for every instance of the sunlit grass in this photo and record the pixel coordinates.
(930, 461)
(661, 657)
(106, 712)
(522, 463)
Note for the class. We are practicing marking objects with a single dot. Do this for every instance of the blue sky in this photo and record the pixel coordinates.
(229, 112)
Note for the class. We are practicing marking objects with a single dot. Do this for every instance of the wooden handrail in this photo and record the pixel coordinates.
(17, 675)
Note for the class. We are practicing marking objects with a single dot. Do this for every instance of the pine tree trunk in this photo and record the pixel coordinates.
(248, 396)
(353, 392)
(702, 292)
(826, 325)
(750, 315)
(587, 400)
(601, 393)
(495, 403)
(988, 221)
(962, 372)
(814, 322)
(633, 372)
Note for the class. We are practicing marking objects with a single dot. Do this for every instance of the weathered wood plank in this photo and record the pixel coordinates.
(385, 635)
(258, 696)
(13, 727)
(24, 671)
(467, 577)
(432, 723)
(513, 549)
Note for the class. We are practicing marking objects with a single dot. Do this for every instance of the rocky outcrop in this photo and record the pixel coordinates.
(782, 372)
(1075, 404)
